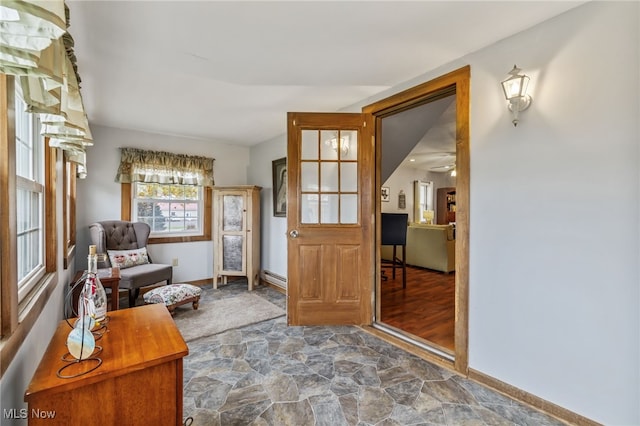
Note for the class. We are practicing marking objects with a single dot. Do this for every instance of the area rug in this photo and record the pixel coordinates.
(213, 317)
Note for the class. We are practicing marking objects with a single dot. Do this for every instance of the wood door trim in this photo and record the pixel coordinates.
(459, 81)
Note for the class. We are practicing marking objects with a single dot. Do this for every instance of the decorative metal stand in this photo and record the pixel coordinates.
(88, 362)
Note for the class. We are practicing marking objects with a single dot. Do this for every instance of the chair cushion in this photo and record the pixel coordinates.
(128, 258)
(172, 294)
(143, 275)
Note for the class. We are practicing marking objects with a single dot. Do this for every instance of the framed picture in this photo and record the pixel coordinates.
(280, 187)
(385, 194)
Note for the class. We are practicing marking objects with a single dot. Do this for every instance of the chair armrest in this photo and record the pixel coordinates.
(98, 237)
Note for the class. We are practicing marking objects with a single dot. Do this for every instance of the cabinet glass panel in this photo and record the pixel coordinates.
(232, 252)
(309, 145)
(232, 213)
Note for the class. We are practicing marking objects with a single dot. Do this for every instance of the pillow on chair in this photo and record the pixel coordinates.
(128, 258)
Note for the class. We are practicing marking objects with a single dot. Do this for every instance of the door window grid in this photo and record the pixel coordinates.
(329, 177)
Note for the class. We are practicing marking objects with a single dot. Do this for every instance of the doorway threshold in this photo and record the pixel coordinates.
(414, 341)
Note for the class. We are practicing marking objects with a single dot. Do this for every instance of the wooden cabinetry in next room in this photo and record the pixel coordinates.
(446, 206)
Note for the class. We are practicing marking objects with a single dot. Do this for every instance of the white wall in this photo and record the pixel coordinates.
(274, 229)
(99, 195)
(402, 179)
(554, 282)
(554, 237)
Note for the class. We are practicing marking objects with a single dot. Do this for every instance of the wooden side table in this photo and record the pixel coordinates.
(139, 381)
(110, 278)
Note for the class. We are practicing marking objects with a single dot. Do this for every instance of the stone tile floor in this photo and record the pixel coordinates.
(271, 374)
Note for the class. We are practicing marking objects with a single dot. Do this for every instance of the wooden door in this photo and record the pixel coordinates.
(330, 218)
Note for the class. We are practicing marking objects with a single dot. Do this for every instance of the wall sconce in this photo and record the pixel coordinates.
(515, 91)
(336, 143)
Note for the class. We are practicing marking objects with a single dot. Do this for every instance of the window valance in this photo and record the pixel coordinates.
(36, 47)
(137, 165)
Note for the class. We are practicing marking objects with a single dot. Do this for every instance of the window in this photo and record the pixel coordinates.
(28, 235)
(169, 209)
(29, 199)
(171, 192)
(423, 201)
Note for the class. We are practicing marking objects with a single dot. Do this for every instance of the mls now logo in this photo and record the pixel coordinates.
(23, 413)
(14, 413)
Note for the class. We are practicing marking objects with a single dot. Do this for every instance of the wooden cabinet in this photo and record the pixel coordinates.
(236, 233)
(446, 206)
(138, 382)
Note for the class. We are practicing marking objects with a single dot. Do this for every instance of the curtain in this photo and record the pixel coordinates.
(36, 47)
(137, 165)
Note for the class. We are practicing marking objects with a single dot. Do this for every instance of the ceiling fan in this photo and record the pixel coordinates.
(442, 168)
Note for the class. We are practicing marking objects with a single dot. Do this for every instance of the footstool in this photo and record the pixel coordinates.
(174, 295)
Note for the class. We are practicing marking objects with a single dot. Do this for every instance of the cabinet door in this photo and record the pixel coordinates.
(233, 227)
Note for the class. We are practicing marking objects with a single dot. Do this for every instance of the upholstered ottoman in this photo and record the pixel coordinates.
(174, 295)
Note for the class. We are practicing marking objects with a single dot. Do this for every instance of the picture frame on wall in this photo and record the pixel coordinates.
(279, 171)
(385, 194)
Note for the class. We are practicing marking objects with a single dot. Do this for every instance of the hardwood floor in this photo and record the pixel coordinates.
(426, 308)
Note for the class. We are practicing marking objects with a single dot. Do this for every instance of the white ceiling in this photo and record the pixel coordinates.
(230, 71)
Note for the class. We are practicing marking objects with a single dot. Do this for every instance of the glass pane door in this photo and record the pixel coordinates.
(329, 177)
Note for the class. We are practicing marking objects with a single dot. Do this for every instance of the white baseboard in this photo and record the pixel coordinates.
(273, 278)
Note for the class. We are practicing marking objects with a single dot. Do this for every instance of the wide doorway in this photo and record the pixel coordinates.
(419, 298)
(422, 158)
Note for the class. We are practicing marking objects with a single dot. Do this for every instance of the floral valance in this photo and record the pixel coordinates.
(137, 165)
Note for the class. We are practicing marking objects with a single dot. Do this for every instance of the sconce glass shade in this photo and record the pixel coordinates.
(515, 91)
(341, 143)
(515, 86)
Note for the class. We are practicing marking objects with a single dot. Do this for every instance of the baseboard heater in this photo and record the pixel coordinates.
(273, 278)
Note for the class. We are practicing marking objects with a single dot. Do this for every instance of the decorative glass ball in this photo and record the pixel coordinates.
(81, 343)
(87, 321)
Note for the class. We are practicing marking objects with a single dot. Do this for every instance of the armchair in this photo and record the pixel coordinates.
(122, 235)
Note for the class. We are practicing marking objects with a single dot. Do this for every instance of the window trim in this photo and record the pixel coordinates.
(69, 181)
(126, 205)
(17, 320)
